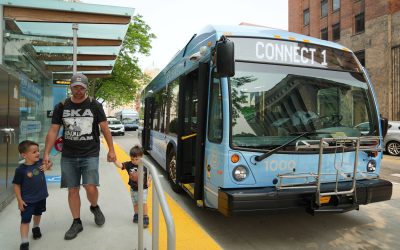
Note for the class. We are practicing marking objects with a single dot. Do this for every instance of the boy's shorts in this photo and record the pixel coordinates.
(36, 208)
(135, 196)
(72, 169)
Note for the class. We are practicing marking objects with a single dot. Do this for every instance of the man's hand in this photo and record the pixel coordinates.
(46, 159)
(111, 156)
(46, 167)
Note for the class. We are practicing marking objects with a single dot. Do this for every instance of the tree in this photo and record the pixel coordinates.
(126, 78)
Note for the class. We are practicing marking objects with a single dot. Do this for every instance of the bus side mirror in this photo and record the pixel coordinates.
(225, 57)
(384, 126)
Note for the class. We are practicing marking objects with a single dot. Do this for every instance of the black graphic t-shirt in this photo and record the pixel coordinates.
(32, 181)
(81, 127)
(130, 167)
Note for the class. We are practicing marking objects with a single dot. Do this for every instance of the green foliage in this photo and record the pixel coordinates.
(248, 112)
(127, 79)
(238, 99)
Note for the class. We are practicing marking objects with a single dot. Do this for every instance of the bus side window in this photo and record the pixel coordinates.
(215, 113)
(171, 121)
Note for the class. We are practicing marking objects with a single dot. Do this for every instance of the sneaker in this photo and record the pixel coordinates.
(146, 221)
(99, 218)
(24, 246)
(73, 231)
(36, 233)
(135, 218)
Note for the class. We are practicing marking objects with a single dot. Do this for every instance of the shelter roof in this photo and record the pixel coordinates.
(41, 32)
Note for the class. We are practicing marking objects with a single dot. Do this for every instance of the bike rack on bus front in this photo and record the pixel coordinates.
(346, 144)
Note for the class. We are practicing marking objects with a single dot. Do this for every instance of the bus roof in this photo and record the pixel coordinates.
(212, 33)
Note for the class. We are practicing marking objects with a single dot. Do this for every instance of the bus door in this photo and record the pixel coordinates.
(149, 101)
(192, 111)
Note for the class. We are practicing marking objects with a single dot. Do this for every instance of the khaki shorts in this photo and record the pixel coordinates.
(135, 196)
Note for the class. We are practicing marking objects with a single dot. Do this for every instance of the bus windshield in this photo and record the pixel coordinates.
(271, 104)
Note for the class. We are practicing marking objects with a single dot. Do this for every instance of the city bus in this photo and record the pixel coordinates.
(126, 114)
(254, 119)
(129, 118)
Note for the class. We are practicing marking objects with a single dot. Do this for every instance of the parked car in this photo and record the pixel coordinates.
(115, 125)
(392, 138)
(130, 124)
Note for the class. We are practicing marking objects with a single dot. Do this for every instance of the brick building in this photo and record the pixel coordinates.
(371, 28)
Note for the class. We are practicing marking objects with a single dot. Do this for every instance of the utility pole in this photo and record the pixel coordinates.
(75, 47)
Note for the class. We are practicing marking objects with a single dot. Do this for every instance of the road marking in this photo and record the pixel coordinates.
(395, 183)
(126, 133)
(53, 178)
(397, 175)
(186, 228)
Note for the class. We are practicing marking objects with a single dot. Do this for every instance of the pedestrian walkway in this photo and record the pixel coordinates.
(119, 232)
(187, 229)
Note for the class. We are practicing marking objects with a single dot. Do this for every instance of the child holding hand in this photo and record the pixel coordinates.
(30, 190)
(136, 154)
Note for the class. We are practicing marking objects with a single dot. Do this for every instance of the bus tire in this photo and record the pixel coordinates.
(171, 171)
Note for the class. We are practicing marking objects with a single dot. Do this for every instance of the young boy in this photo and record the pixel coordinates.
(136, 154)
(31, 190)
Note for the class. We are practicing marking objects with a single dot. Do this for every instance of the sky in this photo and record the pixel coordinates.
(175, 21)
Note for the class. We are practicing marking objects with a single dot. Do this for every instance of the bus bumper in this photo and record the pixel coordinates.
(268, 199)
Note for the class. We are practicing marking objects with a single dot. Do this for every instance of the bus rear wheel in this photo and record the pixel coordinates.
(171, 171)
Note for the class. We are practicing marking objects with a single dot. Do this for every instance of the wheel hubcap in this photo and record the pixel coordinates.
(394, 148)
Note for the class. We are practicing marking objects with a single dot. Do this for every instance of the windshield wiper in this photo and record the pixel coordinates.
(272, 151)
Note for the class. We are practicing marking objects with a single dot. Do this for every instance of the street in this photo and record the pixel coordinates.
(374, 226)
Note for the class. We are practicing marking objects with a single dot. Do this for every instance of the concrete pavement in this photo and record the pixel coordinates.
(119, 232)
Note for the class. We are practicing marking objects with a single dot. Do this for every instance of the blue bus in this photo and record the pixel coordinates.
(250, 119)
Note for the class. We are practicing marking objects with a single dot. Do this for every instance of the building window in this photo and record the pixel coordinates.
(361, 57)
(324, 8)
(306, 17)
(336, 32)
(335, 5)
(359, 23)
(324, 34)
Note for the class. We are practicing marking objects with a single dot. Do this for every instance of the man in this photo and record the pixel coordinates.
(80, 116)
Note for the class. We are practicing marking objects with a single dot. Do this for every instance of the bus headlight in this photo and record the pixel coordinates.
(371, 166)
(239, 173)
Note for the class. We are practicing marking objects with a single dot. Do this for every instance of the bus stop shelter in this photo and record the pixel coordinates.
(36, 55)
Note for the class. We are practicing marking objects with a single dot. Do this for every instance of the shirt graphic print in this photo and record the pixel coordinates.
(78, 124)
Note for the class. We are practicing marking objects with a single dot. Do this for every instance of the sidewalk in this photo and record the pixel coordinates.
(119, 232)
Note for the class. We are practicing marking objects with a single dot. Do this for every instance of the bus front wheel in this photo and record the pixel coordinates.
(171, 171)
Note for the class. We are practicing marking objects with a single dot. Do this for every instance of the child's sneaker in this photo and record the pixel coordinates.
(24, 246)
(146, 221)
(135, 218)
(36, 233)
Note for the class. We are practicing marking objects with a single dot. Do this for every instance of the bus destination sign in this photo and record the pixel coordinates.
(292, 53)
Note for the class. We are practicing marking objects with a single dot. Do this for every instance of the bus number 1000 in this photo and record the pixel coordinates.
(281, 165)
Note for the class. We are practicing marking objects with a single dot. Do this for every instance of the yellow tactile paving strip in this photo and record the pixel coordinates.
(189, 234)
